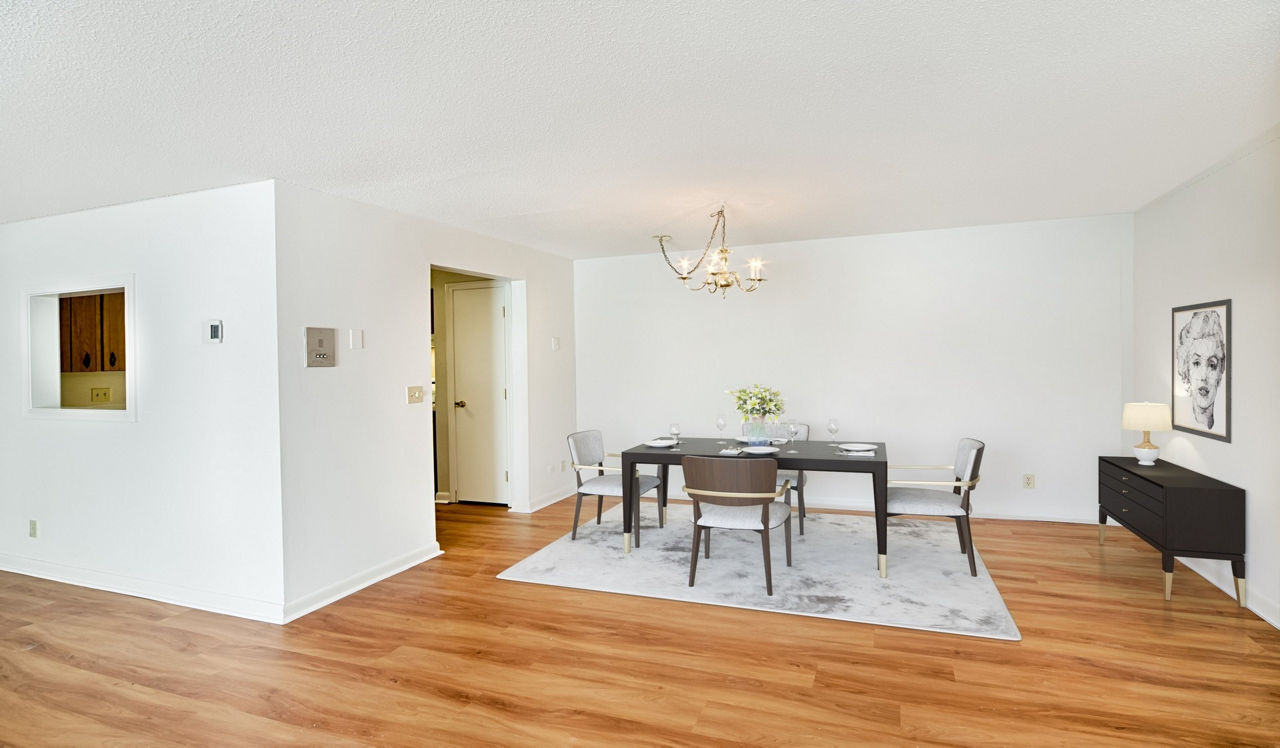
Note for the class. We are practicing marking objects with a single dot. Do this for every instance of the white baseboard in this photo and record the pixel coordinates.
(549, 498)
(295, 609)
(443, 497)
(190, 597)
(1219, 575)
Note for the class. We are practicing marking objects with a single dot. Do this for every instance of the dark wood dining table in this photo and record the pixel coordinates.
(799, 455)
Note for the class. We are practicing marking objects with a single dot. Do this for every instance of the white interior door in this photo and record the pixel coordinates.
(478, 391)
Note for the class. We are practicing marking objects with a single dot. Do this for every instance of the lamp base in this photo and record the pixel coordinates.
(1146, 456)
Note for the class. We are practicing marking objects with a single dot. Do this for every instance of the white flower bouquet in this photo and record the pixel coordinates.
(757, 400)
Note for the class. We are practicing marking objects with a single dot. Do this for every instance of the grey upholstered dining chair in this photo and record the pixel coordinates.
(910, 496)
(797, 477)
(586, 452)
(735, 493)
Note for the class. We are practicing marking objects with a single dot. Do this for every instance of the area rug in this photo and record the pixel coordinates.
(833, 572)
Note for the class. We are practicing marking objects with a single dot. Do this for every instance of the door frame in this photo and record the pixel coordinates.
(451, 362)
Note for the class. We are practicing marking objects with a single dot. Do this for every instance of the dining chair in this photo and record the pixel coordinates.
(909, 497)
(735, 493)
(797, 477)
(586, 453)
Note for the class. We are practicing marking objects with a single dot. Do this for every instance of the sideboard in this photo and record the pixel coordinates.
(1178, 511)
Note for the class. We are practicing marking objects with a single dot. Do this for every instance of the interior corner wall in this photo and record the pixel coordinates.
(183, 504)
(1012, 334)
(1218, 237)
(356, 472)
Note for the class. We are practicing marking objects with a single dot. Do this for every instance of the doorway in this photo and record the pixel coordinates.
(470, 352)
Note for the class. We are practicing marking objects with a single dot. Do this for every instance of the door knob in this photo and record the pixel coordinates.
(460, 404)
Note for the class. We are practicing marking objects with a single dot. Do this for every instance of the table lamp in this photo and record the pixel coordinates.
(1146, 417)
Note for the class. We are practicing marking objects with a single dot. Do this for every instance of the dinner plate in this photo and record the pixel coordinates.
(746, 439)
(660, 443)
(760, 450)
(857, 447)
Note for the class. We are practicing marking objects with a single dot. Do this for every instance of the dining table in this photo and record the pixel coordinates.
(792, 455)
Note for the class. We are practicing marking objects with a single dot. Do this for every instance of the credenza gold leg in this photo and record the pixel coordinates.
(883, 562)
(1240, 591)
(1102, 533)
(1168, 584)
(626, 542)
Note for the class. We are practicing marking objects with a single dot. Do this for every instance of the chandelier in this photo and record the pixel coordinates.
(718, 275)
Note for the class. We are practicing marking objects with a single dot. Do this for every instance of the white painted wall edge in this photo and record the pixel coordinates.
(213, 602)
(356, 582)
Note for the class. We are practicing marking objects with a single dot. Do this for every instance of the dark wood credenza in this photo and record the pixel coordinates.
(1178, 511)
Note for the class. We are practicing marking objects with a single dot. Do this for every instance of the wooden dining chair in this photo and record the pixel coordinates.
(586, 453)
(735, 493)
(922, 497)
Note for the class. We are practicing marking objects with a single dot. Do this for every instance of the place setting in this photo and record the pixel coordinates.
(856, 449)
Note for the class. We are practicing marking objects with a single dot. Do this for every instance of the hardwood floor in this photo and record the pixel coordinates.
(445, 654)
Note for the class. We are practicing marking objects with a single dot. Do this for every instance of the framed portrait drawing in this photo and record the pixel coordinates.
(1202, 369)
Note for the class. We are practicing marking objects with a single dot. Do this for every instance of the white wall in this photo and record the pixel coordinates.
(1012, 334)
(1218, 237)
(183, 503)
(357, 480)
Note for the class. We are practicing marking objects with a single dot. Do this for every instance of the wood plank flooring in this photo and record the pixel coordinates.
(445, 654)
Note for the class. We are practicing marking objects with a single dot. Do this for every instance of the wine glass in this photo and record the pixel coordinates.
(833, 428)
(720, 424)
(793, 429)
(675, 432)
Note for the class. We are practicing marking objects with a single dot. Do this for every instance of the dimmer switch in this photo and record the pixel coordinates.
(321, 346)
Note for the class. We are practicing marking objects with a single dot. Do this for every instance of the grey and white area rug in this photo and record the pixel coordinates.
(833, 572)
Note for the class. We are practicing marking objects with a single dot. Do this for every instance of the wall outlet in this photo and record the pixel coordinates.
(415, 394)
(31, 528)
(1028, 480)
(100, 394)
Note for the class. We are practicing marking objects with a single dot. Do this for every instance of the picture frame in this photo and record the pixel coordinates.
(1201, 369)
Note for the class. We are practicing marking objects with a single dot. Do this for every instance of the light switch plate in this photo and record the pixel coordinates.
(213, 331)
(416, 394)
(322, 349)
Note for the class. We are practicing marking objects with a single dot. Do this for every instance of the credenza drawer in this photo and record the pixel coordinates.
(1131, 481)
(1130, 491)
(1132, 514)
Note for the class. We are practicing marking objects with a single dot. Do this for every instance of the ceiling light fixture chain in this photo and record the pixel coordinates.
(719, 277)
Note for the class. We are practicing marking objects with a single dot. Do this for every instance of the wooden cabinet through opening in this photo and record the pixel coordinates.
(92, 332)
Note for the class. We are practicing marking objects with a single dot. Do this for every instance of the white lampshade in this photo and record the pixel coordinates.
(1146, 417)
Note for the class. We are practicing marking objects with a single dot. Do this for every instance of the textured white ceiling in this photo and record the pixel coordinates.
(583, 127)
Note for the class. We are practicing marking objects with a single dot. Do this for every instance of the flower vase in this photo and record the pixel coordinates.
(757, 432)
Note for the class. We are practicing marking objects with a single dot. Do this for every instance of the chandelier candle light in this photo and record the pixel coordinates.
(719, 277)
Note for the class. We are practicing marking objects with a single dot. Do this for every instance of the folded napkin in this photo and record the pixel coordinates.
(730, 451)
(856, 452)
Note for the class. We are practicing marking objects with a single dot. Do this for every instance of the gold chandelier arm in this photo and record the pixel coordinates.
(674, 269)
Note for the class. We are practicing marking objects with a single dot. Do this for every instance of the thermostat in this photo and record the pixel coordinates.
(213, 331)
